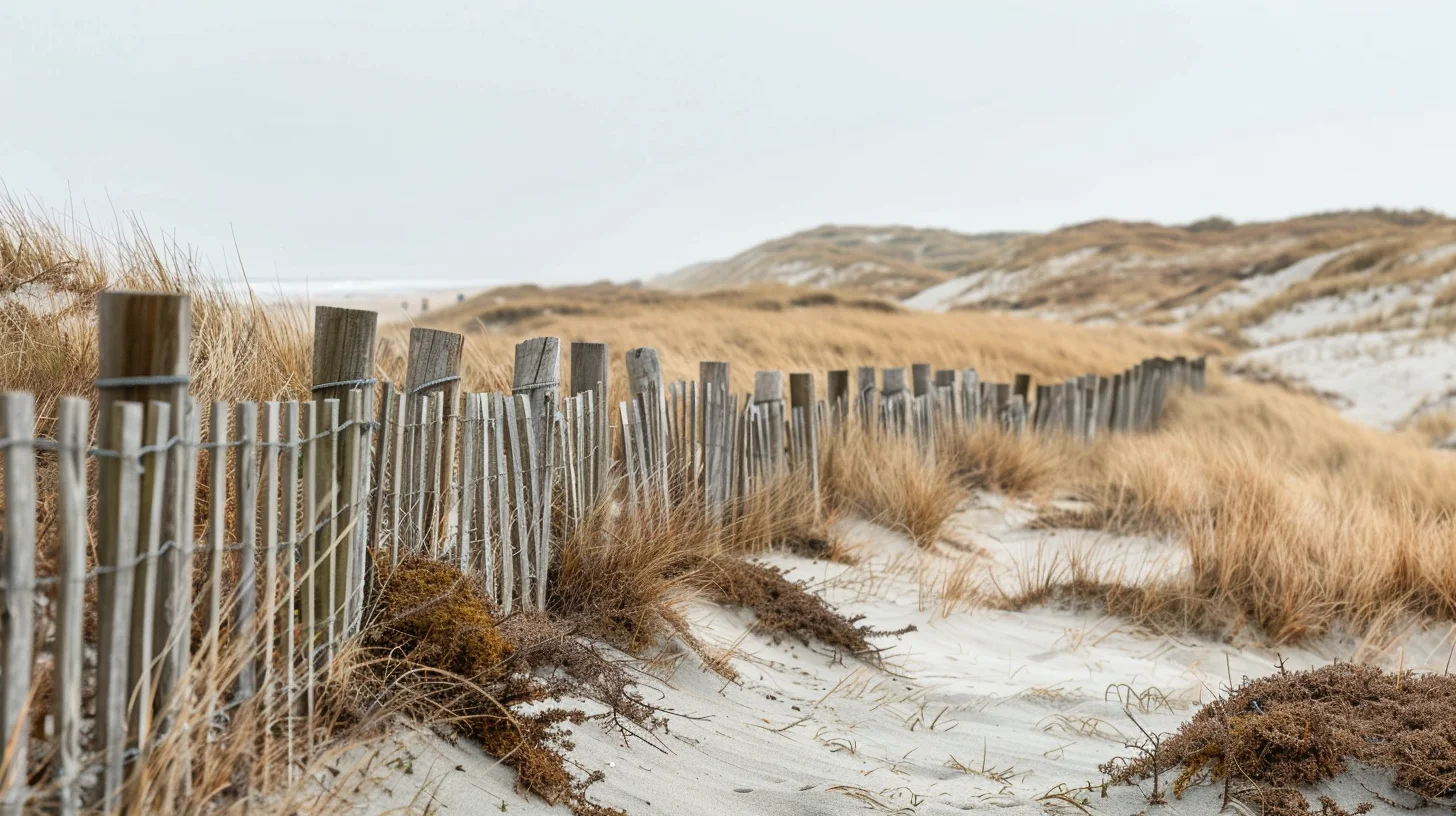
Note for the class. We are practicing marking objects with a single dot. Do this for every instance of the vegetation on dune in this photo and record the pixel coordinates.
(1272, 737)
(437, 646)
(1293, 519)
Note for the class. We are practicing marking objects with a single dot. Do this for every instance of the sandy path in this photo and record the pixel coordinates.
(976, 709)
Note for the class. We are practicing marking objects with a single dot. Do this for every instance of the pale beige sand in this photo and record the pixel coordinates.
(393, 307)
(976, 710)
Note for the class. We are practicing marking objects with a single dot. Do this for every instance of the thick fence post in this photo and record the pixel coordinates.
(343, 362)
(644, 378)
(920, 374)
(1022, 385)
(864, 383)
(768, 395)
(143, 343)
(591, 372)
(537, 377)
(837, 392)
(434, 370)
(801, 397)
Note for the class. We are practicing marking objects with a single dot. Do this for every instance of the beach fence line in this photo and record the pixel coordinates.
(223, 555)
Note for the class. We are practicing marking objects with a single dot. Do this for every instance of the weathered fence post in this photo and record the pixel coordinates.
(768, 395)
(143, 341)
(434, 370)
(645, 387)
(920, 378)
(865, 395)
(837, 392)
(537, 378)
(1022, 386)
(343, 355)
(801, 397)
(591, 371)
(945, 383)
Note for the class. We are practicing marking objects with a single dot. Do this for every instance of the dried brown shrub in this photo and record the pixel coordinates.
(433, 615)
(1274, 735)
(441, 653)
(785, 607)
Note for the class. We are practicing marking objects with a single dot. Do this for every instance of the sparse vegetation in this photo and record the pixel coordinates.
(1272, 737)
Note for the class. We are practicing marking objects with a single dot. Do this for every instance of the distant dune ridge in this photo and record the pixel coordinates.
(1354, 304)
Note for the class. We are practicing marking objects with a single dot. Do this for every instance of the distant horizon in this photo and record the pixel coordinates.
(567, 142)
(331, 288)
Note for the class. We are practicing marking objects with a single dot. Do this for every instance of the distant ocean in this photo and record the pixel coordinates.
(337, 289)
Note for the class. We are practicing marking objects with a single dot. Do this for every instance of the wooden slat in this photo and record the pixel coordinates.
(469, 455)
(71, 432)
(535, 490)
(501, 592)
(216, 532)
(17, 413)
(173, 636)
(269, 591)
(383, 448)
(628, 457)
(436, 479)
(543, 540)
(326, 589)
(245, 531)
(717, 435)
(405, 484)
(521, 546)
(348, 603)
(308, 561)
(398, 472)
(485, 556)
(640, 446)
(290, 555)
(140, 672)
(119, 531)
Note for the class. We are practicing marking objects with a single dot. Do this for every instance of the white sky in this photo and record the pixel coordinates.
(554, 142)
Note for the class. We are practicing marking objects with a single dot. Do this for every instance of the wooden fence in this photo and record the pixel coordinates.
(267, 534)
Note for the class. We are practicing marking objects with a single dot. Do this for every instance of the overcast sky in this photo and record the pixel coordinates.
(556, 142)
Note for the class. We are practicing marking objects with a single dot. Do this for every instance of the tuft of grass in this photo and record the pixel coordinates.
(889, 482)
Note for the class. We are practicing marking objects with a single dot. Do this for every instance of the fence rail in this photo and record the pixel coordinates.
(234, 584)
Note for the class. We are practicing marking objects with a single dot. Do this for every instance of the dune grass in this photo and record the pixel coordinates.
(1293, 518)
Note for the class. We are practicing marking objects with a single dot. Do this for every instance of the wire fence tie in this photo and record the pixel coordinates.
(141, 382)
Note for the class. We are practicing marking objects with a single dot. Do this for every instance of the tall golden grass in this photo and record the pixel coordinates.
(1293, 518)
(1279, 499)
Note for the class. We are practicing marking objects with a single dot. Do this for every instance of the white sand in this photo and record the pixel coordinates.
(1382, 376)
(975, 710)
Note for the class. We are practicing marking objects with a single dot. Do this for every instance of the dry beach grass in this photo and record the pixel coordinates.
(1293, 519)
